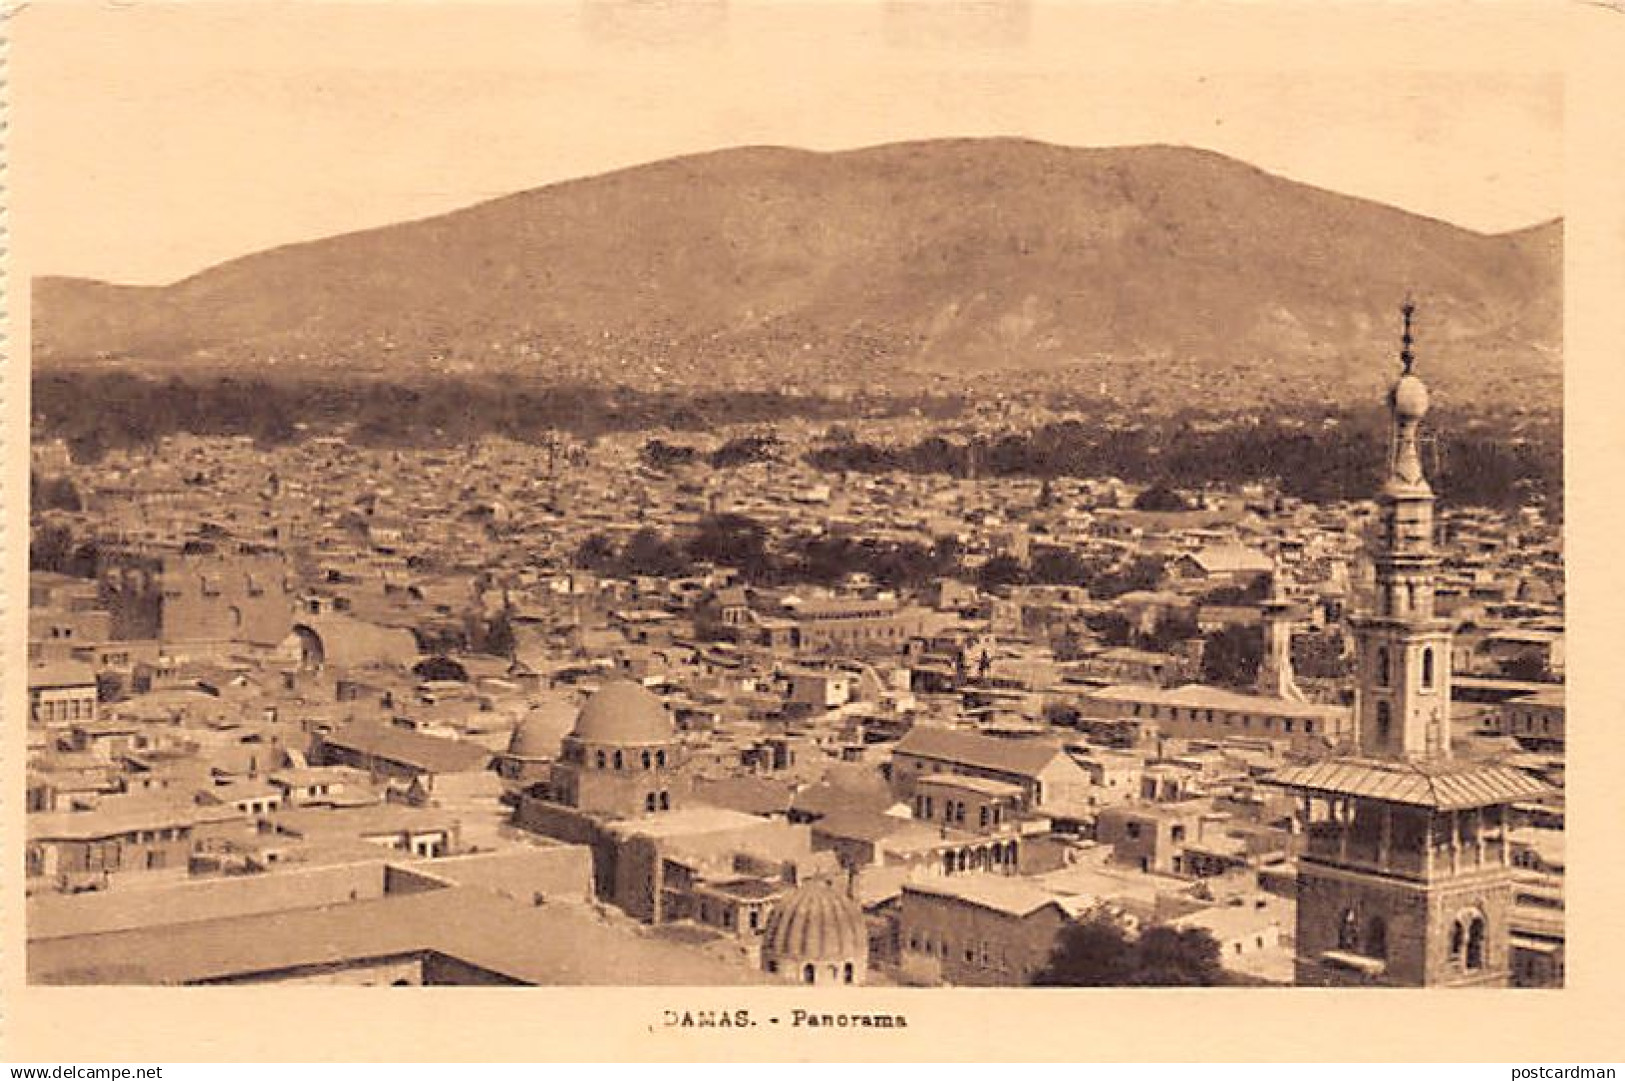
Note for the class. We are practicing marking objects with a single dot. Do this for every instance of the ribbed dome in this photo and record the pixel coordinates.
(624, 712)
(816, 923)
(540, 731)
(1410, 397)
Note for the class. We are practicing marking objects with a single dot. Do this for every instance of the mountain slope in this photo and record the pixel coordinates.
(955, 257)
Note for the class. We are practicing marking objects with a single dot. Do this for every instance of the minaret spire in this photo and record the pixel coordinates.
(1405, 356)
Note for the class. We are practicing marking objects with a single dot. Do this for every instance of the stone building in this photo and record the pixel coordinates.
(213, 598)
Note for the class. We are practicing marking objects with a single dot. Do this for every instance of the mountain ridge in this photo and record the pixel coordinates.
(941, 258)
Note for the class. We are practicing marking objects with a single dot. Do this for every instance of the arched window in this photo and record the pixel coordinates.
(649, 802)
(1385, 722)
(1348, 932)
(620, 762)
(1475, 943)
(1427, 669)
(1376, 938)
(809, 974)
(602, 760)
(846, 973)
(646, 760)
(984, 815)
(665, 801)
(1382, 666)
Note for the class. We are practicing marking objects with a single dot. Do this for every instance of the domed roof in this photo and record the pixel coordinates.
(623, 712)
(1410, 397)
(541, 730)
(816, 923)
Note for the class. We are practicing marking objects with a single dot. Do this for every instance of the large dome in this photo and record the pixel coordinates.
(540, 731)
(623, 712)
(816, 923)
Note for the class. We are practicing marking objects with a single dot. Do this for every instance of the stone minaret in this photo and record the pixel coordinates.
(1405, 877)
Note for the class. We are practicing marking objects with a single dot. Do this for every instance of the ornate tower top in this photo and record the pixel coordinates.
(1408, 403)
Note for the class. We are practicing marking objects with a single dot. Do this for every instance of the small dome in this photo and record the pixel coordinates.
(816, 923)
(624, 712)
(540, 731)
(1410, 397)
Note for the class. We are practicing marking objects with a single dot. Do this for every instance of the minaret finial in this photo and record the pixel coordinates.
(1405, 356)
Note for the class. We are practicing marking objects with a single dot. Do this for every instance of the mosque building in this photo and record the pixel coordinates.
(618, 785)
(1405, 879)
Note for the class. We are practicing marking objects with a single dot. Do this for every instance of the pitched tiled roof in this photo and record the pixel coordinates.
(1025, 757)
(1446, 786)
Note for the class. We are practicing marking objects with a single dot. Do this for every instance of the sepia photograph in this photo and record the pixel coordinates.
(871, 499)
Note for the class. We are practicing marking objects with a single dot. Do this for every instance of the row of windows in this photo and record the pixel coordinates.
(753, 916)
(657, 801)
(1208, 716)
(974, 953)
(1527, 721)
(809, 973)
(1385, 668)
(147, 837)
(980, 859)
(955, 810)
(655, 760)
(68, 709)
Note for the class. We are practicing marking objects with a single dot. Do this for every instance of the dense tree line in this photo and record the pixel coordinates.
(1319, 459)
(98, 411)
(742, 543)
(1319, 463)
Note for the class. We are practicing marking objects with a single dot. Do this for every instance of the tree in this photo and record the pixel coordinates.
(596, 552)
(51, 549)
(648, 553)
(1098, 952)
(1230, 656)
(1000, 571)
(1061, 567)
(1092, 953)
(658, 454)
(1170, 630)
(1113, 628)
(733, 540)
(1145, 573)
(1319, 655)
(1160, 497)
(1189, 957)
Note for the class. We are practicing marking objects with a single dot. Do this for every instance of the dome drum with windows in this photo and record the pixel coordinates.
(817, 935)
(619, 756)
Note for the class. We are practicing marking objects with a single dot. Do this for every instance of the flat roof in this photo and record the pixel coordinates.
(556, 943)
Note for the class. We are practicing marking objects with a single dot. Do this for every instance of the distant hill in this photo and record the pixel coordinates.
(956, 258)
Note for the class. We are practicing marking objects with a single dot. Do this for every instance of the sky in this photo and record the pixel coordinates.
(152, 141)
